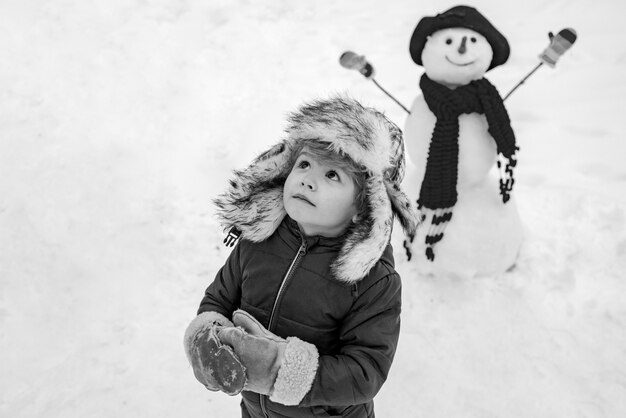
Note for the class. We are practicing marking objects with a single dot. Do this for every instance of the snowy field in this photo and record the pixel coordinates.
(121, 120)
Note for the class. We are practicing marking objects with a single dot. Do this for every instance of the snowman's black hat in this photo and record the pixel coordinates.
(464, 17)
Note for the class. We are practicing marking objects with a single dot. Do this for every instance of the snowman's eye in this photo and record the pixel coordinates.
(448, 41)
(473, 40)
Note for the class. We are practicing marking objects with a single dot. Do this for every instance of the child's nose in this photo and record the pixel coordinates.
(309, 182)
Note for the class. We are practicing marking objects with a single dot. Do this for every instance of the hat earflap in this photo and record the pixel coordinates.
(403, 208)
(366, 240)
(250, 203)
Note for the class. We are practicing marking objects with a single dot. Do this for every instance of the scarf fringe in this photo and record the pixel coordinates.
(505, 169)
(439, 219)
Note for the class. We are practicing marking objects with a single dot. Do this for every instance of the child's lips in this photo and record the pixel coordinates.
(303, 198)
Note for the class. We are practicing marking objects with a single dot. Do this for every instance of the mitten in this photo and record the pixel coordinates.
(282, 368)
(215, 365)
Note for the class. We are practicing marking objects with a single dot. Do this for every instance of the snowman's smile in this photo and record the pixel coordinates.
(457, 64)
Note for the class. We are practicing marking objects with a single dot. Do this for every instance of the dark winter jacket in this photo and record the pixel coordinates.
(355, 326)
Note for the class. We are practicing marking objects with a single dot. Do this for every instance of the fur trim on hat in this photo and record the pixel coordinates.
(253, 203)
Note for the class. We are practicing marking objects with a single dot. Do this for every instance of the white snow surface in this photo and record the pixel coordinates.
(121, 120)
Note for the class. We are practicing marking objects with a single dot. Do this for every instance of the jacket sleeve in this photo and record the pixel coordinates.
(368, 337)
(224, 294)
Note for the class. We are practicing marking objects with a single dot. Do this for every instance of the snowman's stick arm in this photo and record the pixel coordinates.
(559, 43)
(392, 98)
(522, 81)
(353, 61)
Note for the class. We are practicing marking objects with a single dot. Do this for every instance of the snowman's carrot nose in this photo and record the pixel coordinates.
(463, 48)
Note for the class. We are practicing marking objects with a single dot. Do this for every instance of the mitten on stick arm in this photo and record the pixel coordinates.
(282, 368)
(214, 364)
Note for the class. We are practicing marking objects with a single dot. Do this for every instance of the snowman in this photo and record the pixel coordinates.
(462, 148)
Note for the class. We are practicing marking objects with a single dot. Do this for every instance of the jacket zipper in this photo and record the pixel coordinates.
(281, 289)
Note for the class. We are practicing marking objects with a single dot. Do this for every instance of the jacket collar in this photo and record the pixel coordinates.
(289, 232)
(294, 235)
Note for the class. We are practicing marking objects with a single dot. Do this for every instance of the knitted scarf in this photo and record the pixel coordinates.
(438, 194)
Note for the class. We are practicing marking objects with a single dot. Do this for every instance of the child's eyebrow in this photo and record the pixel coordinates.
(305, 153)
(322, 161)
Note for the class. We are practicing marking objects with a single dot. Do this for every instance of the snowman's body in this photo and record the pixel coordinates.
(484, 235)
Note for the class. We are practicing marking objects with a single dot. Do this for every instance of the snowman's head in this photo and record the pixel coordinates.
(456, 56)
(436, 37)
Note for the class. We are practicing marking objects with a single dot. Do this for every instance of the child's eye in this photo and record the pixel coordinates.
(303, 164)
(333, 175)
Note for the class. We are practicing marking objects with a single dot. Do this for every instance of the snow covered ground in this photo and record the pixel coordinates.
(120, 120)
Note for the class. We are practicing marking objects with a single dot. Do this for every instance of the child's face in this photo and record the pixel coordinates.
(319, 196)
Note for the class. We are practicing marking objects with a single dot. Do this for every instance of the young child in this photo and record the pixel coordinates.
(310, 287)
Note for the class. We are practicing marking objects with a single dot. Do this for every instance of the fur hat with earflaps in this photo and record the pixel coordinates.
(253, 204)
